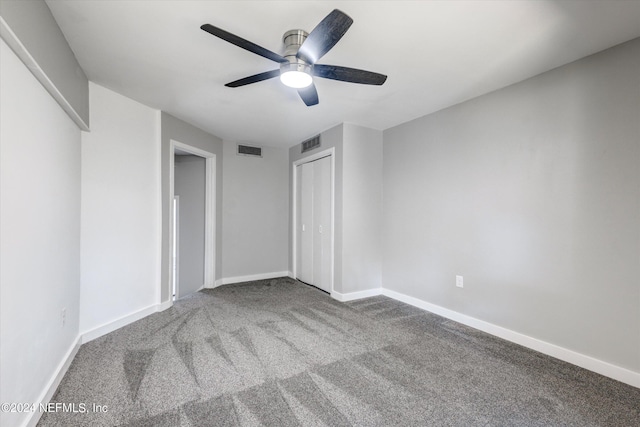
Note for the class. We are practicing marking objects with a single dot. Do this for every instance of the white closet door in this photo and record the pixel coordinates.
(322, 223)
(298, 241)
(305, 223)
(313, 218)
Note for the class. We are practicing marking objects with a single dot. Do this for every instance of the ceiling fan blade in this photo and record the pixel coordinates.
(309, 95)
(254, 79)
(324, 36)
(245, 44)
(345, 74)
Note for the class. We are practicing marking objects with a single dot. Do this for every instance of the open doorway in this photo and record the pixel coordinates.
(189, 189)
(192, 246)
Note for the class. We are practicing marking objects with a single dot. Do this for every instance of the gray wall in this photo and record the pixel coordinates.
(189, 178)
(255, 212)
(532, 193)
(49, 56)
(362, 209)
(358, 205)
(178, 130)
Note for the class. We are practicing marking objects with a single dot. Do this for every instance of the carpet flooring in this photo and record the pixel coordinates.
(279, 353)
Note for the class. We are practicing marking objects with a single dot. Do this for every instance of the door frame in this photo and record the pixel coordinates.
(175, 244)
(329, 152)
(210, 208)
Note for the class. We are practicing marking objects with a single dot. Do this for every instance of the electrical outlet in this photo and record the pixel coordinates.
(459, 282)
(63, 314)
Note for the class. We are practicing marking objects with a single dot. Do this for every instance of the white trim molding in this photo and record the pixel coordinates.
(82, 338)
(356, 295)
(53, 383)
(104, 329)
(587, 362)
(21, 51)
(164, 305)
(210, 211)
(249, 278)
(210, 223)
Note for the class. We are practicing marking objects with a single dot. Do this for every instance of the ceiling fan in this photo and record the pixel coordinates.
(301, 52)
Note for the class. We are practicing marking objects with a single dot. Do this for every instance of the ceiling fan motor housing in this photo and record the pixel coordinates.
(292, 40)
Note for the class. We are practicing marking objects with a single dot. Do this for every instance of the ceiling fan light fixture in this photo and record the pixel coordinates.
(296, 73)
(296, 79)
(298, 61)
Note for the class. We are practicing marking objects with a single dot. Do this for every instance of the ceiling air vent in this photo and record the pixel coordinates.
(311, 144)
(247, 150)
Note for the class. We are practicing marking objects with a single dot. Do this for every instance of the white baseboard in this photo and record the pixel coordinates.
(51, 387)
(604, 368)
(123, 321)
(263, 276)
(82, 338)
(356, 295)
(164, 305)
(587, 362)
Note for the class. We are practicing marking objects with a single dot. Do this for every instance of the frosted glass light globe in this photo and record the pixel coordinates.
(296, 79)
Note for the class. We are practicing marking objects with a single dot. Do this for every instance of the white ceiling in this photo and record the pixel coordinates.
(436, 54)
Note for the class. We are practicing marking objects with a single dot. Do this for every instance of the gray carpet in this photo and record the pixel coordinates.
(279, 353)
